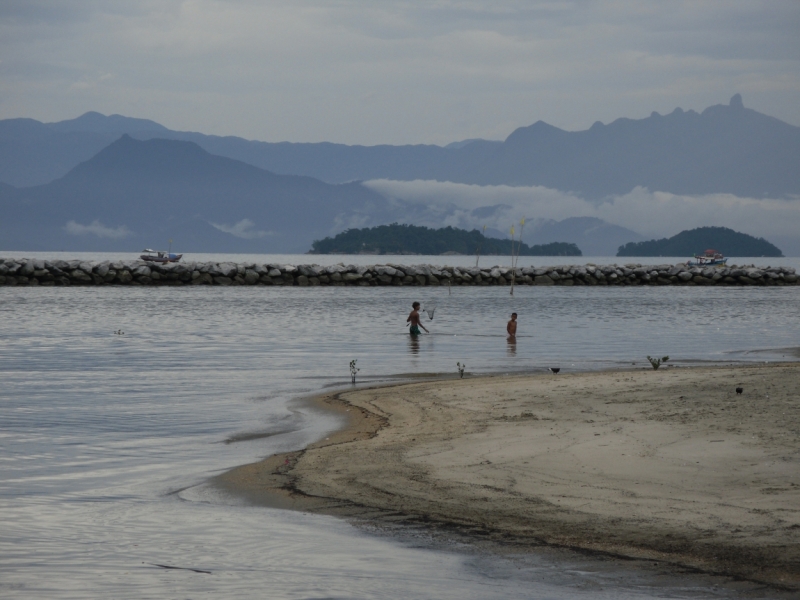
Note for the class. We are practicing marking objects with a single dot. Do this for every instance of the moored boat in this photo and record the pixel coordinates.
(709, 258)
(160, 256)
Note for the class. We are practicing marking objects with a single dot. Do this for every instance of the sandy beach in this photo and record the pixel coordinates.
(670, 465)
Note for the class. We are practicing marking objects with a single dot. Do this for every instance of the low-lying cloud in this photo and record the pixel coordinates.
(98, 229)
(244, 229)
(652, 214)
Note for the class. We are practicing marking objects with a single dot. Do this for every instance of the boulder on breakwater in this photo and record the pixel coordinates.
(137, 272)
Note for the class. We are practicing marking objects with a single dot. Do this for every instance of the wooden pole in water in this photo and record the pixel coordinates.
(512, 260)
(515, 261)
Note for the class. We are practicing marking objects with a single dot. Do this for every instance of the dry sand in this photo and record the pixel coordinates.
(669, 465)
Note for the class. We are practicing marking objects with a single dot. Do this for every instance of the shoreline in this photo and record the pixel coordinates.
(669, 465)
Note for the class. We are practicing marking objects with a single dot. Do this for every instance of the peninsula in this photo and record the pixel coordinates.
(670, 465)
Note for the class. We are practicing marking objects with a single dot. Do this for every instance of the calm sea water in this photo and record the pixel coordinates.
(106, 439)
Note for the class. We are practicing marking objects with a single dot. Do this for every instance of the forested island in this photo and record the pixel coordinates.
(413, 239)
(696, 241)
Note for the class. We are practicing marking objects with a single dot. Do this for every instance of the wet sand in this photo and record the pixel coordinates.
(669, 465)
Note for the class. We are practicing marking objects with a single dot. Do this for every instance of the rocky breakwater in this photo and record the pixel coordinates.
(137, 272)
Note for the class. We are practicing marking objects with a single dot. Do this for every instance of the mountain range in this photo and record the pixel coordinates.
(136, 193)
(140, 193)
(113, 182)
(724, 149)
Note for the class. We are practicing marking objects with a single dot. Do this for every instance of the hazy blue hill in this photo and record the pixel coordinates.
(95, 122)
(696, 241)
(34, 153)
(23, 129)
(726, 148)
(411, 239)
(163, 189)
(31, 153)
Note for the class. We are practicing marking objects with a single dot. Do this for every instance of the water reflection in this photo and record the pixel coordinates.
(413, 344)
(511, 345)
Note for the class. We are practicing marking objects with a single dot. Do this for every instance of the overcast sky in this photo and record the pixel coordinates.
(370, 72)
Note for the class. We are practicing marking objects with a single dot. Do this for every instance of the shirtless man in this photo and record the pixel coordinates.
(511, 328)
(413, 318)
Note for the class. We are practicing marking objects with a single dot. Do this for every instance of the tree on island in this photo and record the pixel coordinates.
(696, 241)
(413, 239)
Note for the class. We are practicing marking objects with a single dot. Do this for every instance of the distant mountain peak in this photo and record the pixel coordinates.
(96, 122)
(151, 148)
(540, 129)
(736, 101)
(155, 157)
(160, 189)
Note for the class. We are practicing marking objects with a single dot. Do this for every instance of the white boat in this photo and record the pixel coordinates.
(160, 256)
(709, 258)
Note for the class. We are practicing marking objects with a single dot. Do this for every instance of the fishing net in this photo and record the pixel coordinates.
(429, 309)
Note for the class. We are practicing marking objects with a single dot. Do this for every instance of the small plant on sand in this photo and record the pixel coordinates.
(657, 362)
(353, 370)
(461, 370)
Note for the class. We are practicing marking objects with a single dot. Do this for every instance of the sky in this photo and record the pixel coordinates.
(383, 72)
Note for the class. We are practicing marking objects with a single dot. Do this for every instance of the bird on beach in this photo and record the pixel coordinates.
(739, 390)
(554, 370)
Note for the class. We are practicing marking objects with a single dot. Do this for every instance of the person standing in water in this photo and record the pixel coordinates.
(511, 328)
(413, 318)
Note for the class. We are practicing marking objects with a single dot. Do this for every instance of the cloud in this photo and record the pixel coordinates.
(243, 230)
(653, 214)
(98, 229)
(344, 221)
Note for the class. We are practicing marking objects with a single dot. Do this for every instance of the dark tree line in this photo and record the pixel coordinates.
(412, 239)
(696, 241)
